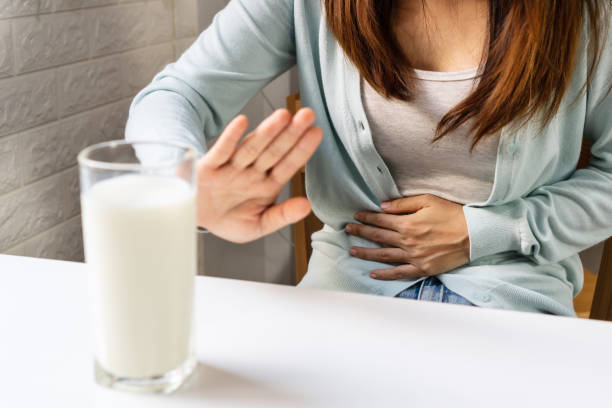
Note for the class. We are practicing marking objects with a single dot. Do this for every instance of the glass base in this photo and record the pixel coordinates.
(165, 384)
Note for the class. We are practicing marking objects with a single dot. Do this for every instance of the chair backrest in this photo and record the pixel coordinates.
(601, 307)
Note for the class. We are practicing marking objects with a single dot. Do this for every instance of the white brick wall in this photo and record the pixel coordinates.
(68, 72)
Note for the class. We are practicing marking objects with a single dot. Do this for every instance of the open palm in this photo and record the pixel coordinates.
(239, 181)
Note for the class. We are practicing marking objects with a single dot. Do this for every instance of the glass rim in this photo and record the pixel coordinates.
(85, 161)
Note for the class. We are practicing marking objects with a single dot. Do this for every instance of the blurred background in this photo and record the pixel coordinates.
(68, 72)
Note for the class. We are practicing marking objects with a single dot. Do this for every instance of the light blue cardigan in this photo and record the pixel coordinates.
(524, 238)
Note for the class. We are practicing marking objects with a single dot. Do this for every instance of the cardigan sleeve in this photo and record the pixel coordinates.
(249, 43)
(557, 221)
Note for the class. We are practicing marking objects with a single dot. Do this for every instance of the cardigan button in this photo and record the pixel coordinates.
(511, 147)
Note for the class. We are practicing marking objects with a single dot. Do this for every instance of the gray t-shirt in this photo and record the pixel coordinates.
(403, 132)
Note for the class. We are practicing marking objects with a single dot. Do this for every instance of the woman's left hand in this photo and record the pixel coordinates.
(425, 234)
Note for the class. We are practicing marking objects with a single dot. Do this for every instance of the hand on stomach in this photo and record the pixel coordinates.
(424, 235)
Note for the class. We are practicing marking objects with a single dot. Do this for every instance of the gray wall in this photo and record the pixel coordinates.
(68, 71)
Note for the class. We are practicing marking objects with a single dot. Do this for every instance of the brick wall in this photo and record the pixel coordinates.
(68, 72)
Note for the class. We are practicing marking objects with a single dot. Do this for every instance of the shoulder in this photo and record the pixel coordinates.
(305, 14)
(272, 21)
(280, 9)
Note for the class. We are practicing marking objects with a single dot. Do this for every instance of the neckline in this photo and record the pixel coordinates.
(438, 76)
(378, 188)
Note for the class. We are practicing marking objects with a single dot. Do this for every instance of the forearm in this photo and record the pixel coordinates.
(551, 224)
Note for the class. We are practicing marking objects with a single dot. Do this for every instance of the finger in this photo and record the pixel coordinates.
(375, 234)
(399, 272)
(255, 143)
(283, 214)
(225, 146)
(407, 204)
(303, 120)
(387, 221)
(384, 255)
(298, 156)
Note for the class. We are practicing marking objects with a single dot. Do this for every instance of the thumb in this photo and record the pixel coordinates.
(283, 214)
(406, 204)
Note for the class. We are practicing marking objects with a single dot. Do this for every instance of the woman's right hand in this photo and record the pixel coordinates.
(239, 182)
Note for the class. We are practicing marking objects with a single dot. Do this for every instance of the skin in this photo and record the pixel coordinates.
(239, 181)
(425, 234)
(442, 35)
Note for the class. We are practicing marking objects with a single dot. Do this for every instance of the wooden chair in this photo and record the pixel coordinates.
(594, 302)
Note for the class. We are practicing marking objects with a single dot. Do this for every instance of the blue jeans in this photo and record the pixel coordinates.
(433, 290)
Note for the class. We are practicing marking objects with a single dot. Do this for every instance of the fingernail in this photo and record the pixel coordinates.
(348, 228)
(385, 206)
(356, 215)
(353, 251)
(373, 275)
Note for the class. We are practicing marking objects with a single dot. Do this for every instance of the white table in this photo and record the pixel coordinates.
(264, 345)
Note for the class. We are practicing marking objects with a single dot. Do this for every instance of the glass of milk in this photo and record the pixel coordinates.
(139, 230)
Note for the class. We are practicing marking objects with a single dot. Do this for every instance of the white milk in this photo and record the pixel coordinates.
(140, 246)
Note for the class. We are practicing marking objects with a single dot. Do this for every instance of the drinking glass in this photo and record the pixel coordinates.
(139, 232)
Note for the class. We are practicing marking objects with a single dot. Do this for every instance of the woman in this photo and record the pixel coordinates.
(449, 135)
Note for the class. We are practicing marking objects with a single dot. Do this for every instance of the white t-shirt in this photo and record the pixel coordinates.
(403, 131)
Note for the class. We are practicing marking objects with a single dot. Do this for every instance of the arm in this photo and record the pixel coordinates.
(558, 220)
(240, 177)
(249, 44)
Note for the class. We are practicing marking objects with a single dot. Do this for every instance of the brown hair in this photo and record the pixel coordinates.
(528, 63)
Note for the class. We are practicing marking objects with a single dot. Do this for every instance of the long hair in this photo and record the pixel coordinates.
(528, 63)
